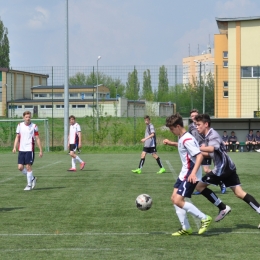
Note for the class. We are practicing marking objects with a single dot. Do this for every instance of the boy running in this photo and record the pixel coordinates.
(149, 147)
(26, 134)
(190, 174)
(224, 168)
(74, 134)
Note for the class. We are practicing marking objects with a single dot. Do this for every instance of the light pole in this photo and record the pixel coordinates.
(98, 58)
(203, 98)
(116, 101)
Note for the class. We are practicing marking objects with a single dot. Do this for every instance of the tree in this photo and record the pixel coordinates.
(114, 85)
(147, 86)
(132, 86)
(4, 46)
(163, 86)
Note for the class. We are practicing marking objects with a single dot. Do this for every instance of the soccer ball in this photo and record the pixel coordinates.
(144, 202)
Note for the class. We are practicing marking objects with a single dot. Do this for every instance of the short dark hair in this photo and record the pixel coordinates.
(72, 117)
(194, 110)
(174, 120)
(225, 131)
(146, 117)
(27, 113)
(232, 132)
(205, 118)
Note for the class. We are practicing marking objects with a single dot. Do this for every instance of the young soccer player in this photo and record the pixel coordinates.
(190, 174)
(75, 132)
(250, 141)
(224, 168)
(149, 147)
(200, 139)
(26, 134)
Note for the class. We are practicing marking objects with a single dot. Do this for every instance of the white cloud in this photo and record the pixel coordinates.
(39, 19)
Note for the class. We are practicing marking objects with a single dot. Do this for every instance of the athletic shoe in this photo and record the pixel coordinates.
(223, 188)
(162, 170)
(71, 170)
(196, 193)
(237, 150)
(230, 150)
(28, 187)
(204, 224)
(79, 151)
(223, 213)
(34, 182)
(138, 171)
(258, 150)
(82, 165)
(182, 232)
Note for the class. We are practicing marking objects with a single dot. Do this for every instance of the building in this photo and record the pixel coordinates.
(237, 60)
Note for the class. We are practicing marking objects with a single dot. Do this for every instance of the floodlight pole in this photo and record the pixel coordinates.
(99, 57)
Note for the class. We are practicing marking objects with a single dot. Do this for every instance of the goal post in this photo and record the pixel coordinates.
(8, 131)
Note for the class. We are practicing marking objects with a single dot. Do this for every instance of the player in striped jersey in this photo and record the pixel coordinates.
(224, 168)
(190, 174)
(74, 138)
(26, 134)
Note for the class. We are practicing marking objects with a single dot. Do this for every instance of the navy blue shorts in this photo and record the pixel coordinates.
(149, 150)
(26, 158)
(73, 147)
(185, 188)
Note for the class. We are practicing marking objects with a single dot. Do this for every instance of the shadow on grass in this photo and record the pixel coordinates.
(10, 209)
(48, 188)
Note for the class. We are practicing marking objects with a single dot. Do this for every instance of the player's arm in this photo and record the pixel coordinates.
(38, 141)
(207, 149)
(16, 141)
(79, 135)
(170, 143)
(192, 177)
(148, 137)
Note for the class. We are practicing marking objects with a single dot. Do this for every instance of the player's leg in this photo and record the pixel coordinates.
(237, 146)
(158, 160)
(202, 186)
(141, 163)
(31, 179)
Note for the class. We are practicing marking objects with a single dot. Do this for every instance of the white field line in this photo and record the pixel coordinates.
(175, 176)
(42, 167)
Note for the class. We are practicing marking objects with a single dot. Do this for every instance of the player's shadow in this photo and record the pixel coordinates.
(247, 226)
(10, 209)
(48, 188)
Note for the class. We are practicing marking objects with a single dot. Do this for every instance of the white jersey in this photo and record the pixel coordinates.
(73, 135)
(27, 135)
(188, 148)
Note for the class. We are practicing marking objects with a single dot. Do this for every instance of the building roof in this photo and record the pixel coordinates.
(238, 19)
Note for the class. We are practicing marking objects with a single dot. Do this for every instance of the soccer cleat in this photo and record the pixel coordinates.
(34, 182)
(237, 150)
(28, 187)
(230, 150)
(82, 165)
(223, 188)
(204, 224)
(71, 170)
(138, 171)
(196, 193)
(258, 150)
(223, 213)
(162, 170)
(182, 232)
(79, 151)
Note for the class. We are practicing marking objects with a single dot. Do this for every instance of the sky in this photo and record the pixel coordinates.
(122, 32)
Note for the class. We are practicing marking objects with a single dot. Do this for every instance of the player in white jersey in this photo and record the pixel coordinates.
(149, 147)
(189, 176)
(74, 142)
(26, 134)
(224, 170)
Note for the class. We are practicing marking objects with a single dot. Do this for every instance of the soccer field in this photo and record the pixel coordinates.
(91, 214)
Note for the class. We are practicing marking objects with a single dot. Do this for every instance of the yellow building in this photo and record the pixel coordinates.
(237, 60)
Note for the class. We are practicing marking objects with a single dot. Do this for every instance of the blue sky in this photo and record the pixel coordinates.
(123, 32)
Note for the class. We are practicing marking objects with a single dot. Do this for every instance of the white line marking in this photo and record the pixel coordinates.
(47, 165)
(175, 176)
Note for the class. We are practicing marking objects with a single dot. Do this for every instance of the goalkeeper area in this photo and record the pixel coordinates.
(91, 214)
(8, 132)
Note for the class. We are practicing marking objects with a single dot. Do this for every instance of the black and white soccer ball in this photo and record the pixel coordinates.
(144, 202)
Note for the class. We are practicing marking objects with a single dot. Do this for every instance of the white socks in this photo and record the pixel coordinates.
(181, 213)
(29, 178)
(189, 207)
(77, 158)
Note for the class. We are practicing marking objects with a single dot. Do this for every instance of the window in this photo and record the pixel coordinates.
(58, 95)
(250, 72)
(78, 106)
(225, 94)
(225, 64)
(225, 54)
(14, 106)
(46, 106)
(27, 106)
(59, 106)
(73, 94)
(36, 95)
(42, 95)
(225, 84)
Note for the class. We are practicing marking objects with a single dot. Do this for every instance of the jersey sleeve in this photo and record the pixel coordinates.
(36, 130)
(192, 146)
(78, 128)
(18, 129)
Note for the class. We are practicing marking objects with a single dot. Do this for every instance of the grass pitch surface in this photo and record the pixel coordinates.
(91, 214)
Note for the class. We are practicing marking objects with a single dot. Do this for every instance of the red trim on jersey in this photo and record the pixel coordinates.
(187, 139)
